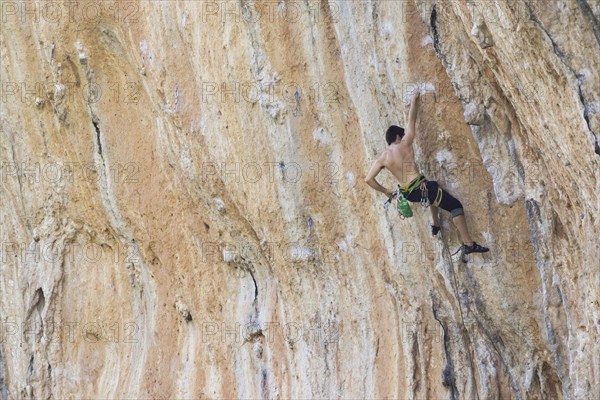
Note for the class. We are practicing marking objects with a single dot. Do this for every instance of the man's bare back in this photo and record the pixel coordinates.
(399, 159)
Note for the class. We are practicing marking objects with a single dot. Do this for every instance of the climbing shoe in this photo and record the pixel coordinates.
(434, 230)
(474, 248)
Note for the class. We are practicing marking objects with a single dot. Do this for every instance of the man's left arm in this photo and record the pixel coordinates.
(370, 179)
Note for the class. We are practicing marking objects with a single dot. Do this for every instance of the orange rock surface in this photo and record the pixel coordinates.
(184, 214)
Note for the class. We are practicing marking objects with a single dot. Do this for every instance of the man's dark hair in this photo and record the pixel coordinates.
(392, 132)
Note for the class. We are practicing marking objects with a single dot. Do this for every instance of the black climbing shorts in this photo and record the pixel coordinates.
(447, 202)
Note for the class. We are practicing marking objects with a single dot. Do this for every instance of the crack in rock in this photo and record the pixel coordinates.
(563, 59)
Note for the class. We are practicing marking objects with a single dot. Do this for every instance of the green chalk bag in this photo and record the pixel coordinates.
(403, 207)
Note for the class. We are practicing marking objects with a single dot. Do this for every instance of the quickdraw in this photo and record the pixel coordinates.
(424, 198)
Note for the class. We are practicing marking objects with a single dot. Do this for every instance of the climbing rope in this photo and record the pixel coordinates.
(462, 254)
(455, 286)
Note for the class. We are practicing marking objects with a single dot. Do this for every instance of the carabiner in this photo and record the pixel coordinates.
(424, 195)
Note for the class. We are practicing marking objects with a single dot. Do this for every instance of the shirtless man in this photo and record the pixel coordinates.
(399, 159)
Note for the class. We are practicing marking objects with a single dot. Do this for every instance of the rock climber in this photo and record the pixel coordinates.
(399, 159)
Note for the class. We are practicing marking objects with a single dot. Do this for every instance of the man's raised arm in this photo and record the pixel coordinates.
(370, 179)
(412, 119)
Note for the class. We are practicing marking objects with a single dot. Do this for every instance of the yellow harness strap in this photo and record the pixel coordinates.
(413, 184)
(438, 198)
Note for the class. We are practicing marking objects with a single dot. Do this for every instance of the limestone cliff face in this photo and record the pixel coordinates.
(183, 210)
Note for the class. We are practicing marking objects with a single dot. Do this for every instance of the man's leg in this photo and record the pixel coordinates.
(458, 217)
(461, 225)
(452, 205)
(435, 215)
(435, 227)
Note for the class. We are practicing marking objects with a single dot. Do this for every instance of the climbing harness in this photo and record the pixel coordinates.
(402, 193)
(413, 184)
(438, 197)
(425, 196)
(421, 183)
